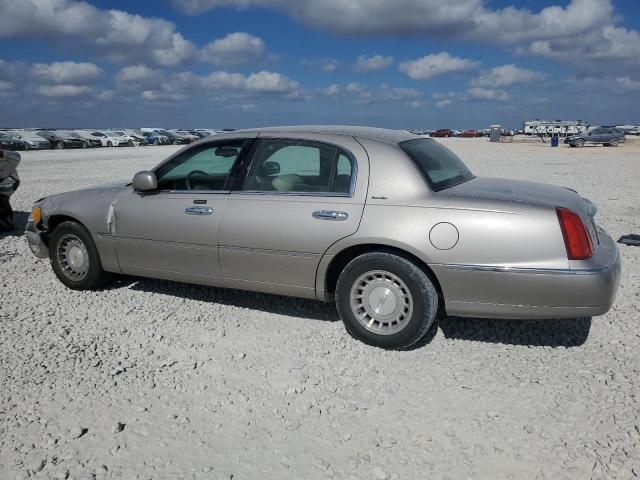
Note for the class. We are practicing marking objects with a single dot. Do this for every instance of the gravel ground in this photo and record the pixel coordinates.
(152, 379)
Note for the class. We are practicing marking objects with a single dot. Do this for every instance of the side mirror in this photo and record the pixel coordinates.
(145, 181)
(270, 168)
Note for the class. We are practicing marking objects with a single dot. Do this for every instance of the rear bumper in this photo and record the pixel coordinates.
(586, 289)
(35, 241)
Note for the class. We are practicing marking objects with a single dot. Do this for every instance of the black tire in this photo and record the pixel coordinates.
(614, 142)
(579, 143)
(60, 145)
(422, 291)
(130, 143)
(156, 141)
(109, 144)
(94, 277)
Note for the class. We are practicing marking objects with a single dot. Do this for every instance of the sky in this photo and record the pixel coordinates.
(249, 63)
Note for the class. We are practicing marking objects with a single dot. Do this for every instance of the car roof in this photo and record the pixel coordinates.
(378, 134)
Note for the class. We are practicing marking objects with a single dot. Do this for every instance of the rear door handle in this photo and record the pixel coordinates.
(198, 211)
(330, 215)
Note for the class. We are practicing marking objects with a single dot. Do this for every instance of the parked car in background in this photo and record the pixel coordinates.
(60, 140)
(443, 132)
(104, 138)
(610, 137)
(395, 229)
(172, 137)
(124, 140)
(470, 134)
(93, 142)
(8, 142)
(137, 136)
(154, 138)
(31, 140)
(188, 136)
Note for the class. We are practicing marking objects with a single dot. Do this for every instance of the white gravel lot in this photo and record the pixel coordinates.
(153, 379)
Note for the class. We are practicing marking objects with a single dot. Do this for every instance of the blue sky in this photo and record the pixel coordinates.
(239, 63)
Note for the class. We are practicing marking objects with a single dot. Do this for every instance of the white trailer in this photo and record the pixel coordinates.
(561, 128)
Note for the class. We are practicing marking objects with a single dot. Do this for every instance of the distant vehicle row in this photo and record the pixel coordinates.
(36, 139)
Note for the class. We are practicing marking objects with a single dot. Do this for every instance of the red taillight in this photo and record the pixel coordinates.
(576, 239)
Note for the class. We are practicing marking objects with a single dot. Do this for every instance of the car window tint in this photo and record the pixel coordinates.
(295, 166)
(206, 167)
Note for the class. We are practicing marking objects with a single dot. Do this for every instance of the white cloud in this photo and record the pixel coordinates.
(137, 74)
(627, 83)
(324, 64)
(372, 64)
(67, 72)
(505, 76)
(119, 36)
(63, 90)
(234, 49)
(270, 82)
(397, 93)
(436, 64)
(478, 93)
(469, 19)
(332, 90)
(444, 103)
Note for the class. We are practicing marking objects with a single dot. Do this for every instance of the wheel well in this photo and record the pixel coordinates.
(55, 220)
(345, 256)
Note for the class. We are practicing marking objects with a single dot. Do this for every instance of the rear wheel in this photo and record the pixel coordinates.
(386, 300)
(59, 145)
(75, 259)
(109, 143)
(579, 143)
(614, 142)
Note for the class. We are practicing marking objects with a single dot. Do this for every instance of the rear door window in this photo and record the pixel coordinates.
(299, 166)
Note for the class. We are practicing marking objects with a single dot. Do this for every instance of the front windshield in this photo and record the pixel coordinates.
(440, 166)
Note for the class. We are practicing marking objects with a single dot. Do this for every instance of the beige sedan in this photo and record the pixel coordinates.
(392, 227)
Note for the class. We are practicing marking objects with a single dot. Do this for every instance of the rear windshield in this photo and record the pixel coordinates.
(440, 166)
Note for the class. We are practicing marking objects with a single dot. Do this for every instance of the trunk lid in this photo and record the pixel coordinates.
(531, 193)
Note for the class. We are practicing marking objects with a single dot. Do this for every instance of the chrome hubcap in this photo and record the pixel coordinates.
(381, 302)
(73, 257)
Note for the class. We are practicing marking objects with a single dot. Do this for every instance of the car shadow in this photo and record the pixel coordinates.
(19, 225)
(536, 333)
(264, 302)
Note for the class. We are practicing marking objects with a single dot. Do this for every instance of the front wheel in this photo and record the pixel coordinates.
(614, 142)
(74, 257)
(59, 145)
(386, 300)
(579, 143)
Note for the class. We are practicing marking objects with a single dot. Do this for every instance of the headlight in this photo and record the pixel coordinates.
(36, 215)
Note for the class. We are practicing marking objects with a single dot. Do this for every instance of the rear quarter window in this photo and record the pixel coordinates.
(440, 167)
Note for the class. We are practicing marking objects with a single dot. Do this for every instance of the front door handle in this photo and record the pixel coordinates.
(330, 215)
(198, 211)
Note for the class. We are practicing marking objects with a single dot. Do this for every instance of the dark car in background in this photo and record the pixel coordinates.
(443, 132)
(62, 140)
(8, 142)
(607, 136)
(173, 137)
(31, 140)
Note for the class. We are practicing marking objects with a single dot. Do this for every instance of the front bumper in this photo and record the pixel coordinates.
(35, 241)
(586, 289)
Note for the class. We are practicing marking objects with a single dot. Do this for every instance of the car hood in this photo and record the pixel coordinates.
(517, 191)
